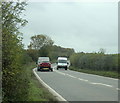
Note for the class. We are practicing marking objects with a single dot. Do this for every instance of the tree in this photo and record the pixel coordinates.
(33, 54)
(14, 81)
(38, 41)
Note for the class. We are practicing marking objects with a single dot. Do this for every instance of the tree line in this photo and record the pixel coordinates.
(95, 61)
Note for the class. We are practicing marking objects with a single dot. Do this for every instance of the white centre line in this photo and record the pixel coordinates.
(118, 88)
(71, 76)
(85, 80)
(65, 74)
(102, 84)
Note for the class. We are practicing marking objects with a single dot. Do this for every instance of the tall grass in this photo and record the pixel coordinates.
(111, 74)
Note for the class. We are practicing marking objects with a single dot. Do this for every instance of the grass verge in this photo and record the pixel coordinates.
(101, 73)
(37, 92)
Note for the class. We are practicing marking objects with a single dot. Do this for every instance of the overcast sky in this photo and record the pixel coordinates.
(83, 26)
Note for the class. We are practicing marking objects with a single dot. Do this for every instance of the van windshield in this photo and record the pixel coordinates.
(62, 61)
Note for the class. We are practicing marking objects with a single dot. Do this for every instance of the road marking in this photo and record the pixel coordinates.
(86, 80)
(118, 88)
(83, 79)
(58, 96)
(91, 74)
(94, 75)
(65, 74)
(102, 84)
(71, 76)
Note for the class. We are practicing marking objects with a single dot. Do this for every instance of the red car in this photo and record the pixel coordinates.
(44, 65)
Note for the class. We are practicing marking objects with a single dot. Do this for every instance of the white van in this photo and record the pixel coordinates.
(62, 63)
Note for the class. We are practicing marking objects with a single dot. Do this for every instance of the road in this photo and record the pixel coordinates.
(76, 86)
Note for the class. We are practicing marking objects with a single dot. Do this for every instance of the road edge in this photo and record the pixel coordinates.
(55, 94)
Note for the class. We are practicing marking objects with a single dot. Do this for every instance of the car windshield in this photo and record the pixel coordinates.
(45, 61)
(62, 61)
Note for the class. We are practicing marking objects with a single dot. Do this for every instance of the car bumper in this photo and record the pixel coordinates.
(43, 68)
(62, 66)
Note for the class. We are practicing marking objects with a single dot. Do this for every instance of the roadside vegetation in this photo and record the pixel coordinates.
(14, 79)
(96, 63)
(36, 91)
(18, 81)
(101, 73)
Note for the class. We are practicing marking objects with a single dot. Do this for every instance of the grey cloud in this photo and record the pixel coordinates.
(82, 26)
